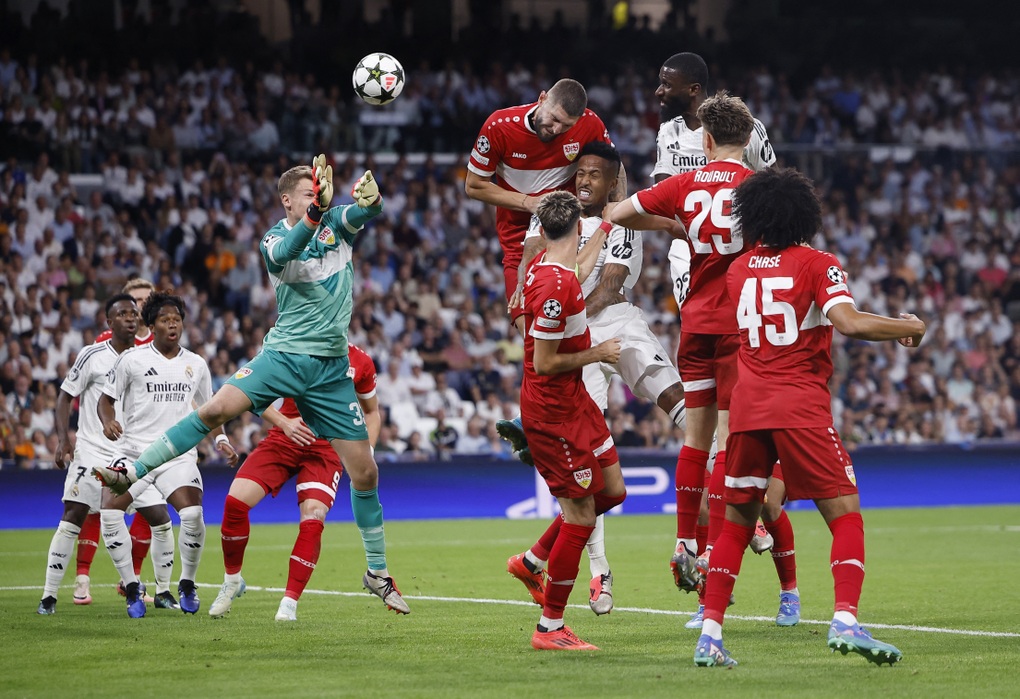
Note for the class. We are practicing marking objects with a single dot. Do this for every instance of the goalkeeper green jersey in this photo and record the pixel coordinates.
(313, 275)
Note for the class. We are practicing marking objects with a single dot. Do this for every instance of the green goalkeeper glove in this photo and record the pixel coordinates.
(322, 182)
(366, 190)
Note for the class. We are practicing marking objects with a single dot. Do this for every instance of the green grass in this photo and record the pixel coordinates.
(950, 569)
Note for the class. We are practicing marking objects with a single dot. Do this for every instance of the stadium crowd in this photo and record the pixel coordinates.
(184, 164)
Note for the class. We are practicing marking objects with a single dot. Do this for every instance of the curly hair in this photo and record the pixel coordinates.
(150, 311)
(605, 151)
(777, 207)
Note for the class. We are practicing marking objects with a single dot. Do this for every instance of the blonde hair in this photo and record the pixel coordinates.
(290, 180)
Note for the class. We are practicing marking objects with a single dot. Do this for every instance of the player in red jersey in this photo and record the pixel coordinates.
(141, 535)
(706, 358)
(567, 434)
(788, 298)
(290, 450)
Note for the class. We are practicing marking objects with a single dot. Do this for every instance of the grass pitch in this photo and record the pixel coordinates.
(941, 585)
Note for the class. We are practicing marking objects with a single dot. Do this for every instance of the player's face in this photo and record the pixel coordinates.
(168, 326)
(301, 198)
(593, 181)
(140, 296)
(676, 95)
(123, 320)
(551, 119)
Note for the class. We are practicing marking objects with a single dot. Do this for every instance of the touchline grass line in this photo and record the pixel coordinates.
(634, 610)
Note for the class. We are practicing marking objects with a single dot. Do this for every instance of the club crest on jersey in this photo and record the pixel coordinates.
(189, 372)
(350, 372)
(242, 372)
(571, 150)
(482, 145)
(73, 374)
(850, 475)
(326, 236)
(552, 308)
(835, 274)
(583, 477)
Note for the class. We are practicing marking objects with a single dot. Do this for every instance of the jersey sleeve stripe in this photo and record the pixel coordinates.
(637, 205)
(835, 302)
(479, 171)
(542, 335)
(86, 353)
(347, 224)
(366, 396)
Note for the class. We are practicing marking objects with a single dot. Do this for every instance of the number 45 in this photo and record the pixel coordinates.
(750, 320)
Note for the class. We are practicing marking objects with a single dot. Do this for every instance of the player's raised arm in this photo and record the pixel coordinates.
(908, 329)
(485, 190)
(549, 362)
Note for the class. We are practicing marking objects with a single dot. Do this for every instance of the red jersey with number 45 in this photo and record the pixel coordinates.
(362, 371)
(553, 310)
(785, 358)
(701, 201)
(509, 149)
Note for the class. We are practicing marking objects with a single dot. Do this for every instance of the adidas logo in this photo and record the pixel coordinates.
(114, 544)
(191, 545)
(152, 372)
(56, 566)
(196, 481)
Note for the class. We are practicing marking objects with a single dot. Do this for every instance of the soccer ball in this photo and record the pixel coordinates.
(378, 78)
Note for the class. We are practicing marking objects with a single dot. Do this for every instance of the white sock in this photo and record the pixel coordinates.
(382, 573)
(712, 629)
(232, 578)
(550, 624)
(535, 560)
(845, 617)
(794, 591)
(192, 540)
(690, 544)
(59, 557)
(679, 415)
(597, 548)
(162, 553)
(118, 544)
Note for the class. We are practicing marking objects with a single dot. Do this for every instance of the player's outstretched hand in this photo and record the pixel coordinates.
(366, 190)
(322, 182)
(914, 339)
(609, 351)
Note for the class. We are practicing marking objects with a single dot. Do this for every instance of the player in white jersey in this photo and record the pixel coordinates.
(609, 264)
(81, 492)
(156, 385)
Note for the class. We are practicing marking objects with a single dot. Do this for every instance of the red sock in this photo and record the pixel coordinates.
(543, 547)
(564, 562)
(604, 503)
(88, 542)
(141, 540)
(304, 557)
(690, 483)
(701, 537)
(234, 534)
(716, 505)
(847, 560)
(783, 554)
(724, 567)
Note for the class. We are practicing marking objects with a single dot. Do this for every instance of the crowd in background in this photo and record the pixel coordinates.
(186, 158)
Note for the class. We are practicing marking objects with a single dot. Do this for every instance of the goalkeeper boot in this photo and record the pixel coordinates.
(513, 431)
(82, 594)
(855, 638)
(135, 600)
(188, 593)
(789, 609)
(525, 457)
(532, 580)
(600, 597)
(47, 606)
(165, 600)
(386, 590)
(229, 591)
(287, 610)
(762, 541)
(710, 653)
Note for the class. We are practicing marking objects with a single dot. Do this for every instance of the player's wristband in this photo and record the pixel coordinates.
(606, 226)
(313, 215)
(222, 439)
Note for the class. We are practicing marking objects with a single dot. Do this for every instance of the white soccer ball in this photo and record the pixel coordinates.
(378, 78)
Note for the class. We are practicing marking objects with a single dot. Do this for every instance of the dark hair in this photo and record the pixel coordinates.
(150, 311)
(558, 213)
(115, 299)
(570, 95)
(727, 118)
(777, 207)
(690, 66)
(603, 150)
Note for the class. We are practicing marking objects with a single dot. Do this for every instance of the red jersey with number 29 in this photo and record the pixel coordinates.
(701, 201)
(785, 358)
(553, 310)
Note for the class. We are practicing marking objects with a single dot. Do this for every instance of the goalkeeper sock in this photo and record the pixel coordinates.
(183, 436)
(368, 515)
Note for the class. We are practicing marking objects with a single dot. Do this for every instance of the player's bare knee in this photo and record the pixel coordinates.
(314, 509)
(75, 513)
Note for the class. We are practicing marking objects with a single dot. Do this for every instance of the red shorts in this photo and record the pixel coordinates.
(510, 283)
(571, 456)
(708, 367)
(276, 461)
(816, 466)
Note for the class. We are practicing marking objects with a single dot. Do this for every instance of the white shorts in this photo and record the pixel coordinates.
(153, 489)
(79, 483)
(680, 270)
(644, 365)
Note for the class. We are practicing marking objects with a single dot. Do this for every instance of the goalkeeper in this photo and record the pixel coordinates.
(304, 356)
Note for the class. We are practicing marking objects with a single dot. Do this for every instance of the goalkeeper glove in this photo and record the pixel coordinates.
(366, 190)
(322, 182)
